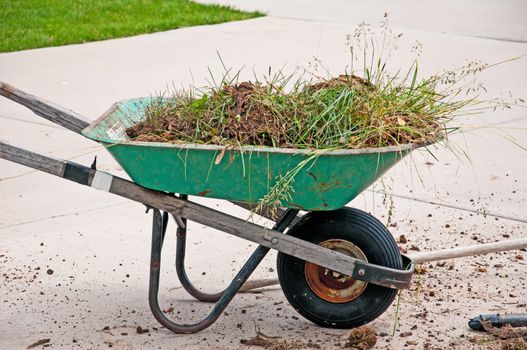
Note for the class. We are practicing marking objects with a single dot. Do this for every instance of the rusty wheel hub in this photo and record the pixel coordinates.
(333, 286)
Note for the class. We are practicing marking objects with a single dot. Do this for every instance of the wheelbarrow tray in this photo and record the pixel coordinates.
(244, 174)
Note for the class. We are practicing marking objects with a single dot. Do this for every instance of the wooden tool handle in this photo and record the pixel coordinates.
(47, 110)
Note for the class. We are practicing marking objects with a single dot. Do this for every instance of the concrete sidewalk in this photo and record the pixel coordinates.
(74, 260)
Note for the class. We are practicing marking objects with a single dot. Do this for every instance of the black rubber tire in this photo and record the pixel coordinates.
(364, 231)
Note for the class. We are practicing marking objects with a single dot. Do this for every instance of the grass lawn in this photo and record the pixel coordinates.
(28, 24)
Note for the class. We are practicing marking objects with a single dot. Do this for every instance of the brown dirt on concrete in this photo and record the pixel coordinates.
(506, 338)
(271, 343)
(361, 338)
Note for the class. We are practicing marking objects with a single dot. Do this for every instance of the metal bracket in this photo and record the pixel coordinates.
(179, 221)
(384, 276)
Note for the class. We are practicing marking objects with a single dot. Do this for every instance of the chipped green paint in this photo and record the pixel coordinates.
(244, 173)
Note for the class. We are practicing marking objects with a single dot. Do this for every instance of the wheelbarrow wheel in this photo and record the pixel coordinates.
(328, 298)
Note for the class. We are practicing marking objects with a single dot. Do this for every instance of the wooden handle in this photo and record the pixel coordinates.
(471, 250)
(47, 110)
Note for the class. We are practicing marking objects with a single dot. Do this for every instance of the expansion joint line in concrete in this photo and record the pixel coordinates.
(452, 206)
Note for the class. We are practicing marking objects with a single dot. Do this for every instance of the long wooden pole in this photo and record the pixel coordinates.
(471, 250)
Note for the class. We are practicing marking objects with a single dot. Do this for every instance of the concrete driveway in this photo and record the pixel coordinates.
(74, 261)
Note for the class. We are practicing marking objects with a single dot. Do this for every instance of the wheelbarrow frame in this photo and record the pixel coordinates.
(181, 209)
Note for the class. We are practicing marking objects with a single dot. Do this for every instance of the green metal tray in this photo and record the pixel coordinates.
(244, 174)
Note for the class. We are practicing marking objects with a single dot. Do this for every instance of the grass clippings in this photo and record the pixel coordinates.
(343, 112)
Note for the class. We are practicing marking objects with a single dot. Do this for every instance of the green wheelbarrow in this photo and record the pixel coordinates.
(337, 266)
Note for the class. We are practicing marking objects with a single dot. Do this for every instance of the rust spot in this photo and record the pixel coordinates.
(333, 286)
(326, 186)
(154, 264)
(204, 193)
(313, 176)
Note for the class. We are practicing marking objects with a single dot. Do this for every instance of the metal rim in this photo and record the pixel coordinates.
(333, 286)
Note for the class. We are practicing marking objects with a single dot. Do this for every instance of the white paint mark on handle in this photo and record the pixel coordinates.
(102, 181)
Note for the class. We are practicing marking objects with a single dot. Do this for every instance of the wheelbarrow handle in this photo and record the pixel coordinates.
(46, 109)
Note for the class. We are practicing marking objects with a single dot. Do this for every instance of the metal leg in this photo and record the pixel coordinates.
(181, 273)
(229, 293)
(180, 266)
(164, 226)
